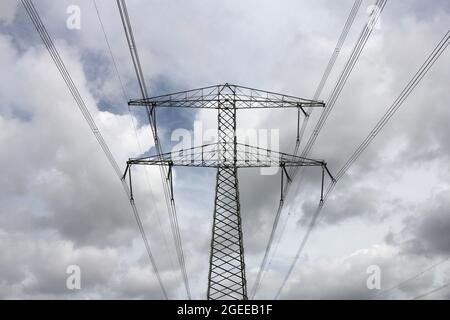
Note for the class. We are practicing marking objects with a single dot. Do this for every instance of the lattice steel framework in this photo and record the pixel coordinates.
(226, 279)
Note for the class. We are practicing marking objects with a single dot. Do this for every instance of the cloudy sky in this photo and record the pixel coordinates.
(61, 203)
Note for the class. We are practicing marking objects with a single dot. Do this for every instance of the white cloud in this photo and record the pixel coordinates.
(57, 186)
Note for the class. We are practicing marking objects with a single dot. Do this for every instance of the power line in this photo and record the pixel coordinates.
(318, 92)
(432, 291)
(293, 171)
(119, 78)
(328, 69)
(435, 54)
(299, 251)
(429, 62)
(133, 123)
(170, 202)
(46, 39)
(401, 283)
(277, 242)
(348, 68)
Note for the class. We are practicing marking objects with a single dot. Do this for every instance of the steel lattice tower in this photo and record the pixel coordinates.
(227, 267)
(226, 279)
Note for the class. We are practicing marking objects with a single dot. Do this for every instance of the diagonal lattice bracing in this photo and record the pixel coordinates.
(244, 98)
(208, 156)
(227, 268)
(226, 277)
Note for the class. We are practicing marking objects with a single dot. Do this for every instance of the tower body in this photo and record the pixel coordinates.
(226, 278)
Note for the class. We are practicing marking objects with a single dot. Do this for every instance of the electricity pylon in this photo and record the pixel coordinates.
(226, 279)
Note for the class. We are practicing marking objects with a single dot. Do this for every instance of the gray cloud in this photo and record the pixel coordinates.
(61, 203)
(425, 231)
